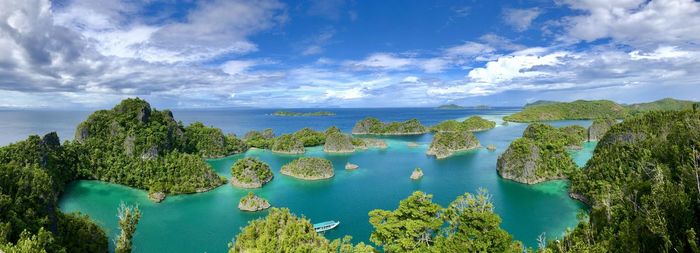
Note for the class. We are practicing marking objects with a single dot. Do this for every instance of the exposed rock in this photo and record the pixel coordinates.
(491, 147)
(156, 196)
(580, 197)
(599, 127)
(338, 143)
(51, 141)
(129, 144)
(151, 153)
(252, 203)
(144, 114)
(250, 173)
(445, 144)
(365, 143)
(417, 174)
(309, 168)
(82, 132)
(350, 166)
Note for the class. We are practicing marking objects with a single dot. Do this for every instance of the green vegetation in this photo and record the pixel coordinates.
(643, 187)
(128, 219)
(252, 203)
(250, 173)
(210, 142)
(472, 124)
(666, 104)
(540, 102)
(309, 168)
(371, 125)
(137, 146)
(33, 174)
(288, 144)
(540, 155)
(445, 144)
(451, 107)
(468, 224)
(582, 109)
(288, 113)
(282, 231)
(337, 142)
(579, 109)
(263, 139)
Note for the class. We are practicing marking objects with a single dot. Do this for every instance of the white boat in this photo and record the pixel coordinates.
(325, 226)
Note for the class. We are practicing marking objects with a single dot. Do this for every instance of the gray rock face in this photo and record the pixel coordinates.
(144, 114)
(417, 174)
(599, 127)
(156, 196)
(151, 153)
(129, 144)
(83, 132)
(520, 165)
(338, 143)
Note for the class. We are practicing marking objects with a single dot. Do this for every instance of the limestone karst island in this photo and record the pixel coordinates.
(338, 126)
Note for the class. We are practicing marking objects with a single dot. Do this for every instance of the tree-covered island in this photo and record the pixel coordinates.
(250, 173)
(445, 144)
(374, 126)
(309, 168)
(471, 124)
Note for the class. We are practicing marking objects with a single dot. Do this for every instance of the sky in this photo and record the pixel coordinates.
(335, 53)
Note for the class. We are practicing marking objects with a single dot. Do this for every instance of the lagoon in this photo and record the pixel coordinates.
(206, 222)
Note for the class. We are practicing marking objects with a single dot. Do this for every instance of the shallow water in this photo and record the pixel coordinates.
(207, 222)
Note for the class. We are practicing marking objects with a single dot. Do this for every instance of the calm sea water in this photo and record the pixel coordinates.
(207, 222)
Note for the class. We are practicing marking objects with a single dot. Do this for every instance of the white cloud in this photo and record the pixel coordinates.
(663, 52)
(410, 79)
(636, 22)
(515, 66)
(237, 67)
(520, 19)
(469, 48)
(384, 61)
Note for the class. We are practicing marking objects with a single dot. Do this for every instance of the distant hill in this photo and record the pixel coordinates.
(541, 102)
(666, 104)
(450, 107)
(289, 113)
(579, 109)
(543, 110)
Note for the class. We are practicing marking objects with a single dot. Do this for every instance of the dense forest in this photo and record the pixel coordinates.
(583, 109)
(472, 124)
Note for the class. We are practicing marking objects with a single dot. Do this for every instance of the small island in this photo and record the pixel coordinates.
(491, 147)
(451, 107)
(253, 203)
(250, 173)
(599, 127)
(309, 168)
(445, 144)
(374, 126)
(471, 124)
(337, 142)
(541, 154)
(351, 166)
(303, 114)
(417, 174)
(288, 144)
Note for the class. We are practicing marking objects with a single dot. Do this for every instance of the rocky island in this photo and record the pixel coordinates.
(253, 203)
(258, 139)
(445, 144)
(472, 124)
(307, 114)
(288, 144)
(417, 174)
(250, 173)
(337, 142)
(451, 107)
(540, 155)
(599, 127)
(309, 168)
(374, 126)
(365, 143)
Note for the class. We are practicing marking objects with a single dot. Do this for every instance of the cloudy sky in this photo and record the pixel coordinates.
(334, 53)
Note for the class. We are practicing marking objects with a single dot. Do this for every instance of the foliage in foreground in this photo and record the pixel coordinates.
(643, 187)
(282, 231)
(128, 219)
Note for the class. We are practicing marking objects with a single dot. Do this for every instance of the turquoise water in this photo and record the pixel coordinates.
(207, 222)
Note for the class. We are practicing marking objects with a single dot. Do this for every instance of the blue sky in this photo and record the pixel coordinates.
(333, 53)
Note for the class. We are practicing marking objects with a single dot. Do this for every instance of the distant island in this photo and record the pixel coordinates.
(374, 126)
(290, 113)
(451, 107)
(472, 124)
(459, 107)
(592, 109)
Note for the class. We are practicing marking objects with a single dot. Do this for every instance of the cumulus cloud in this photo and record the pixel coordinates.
(635, 22)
